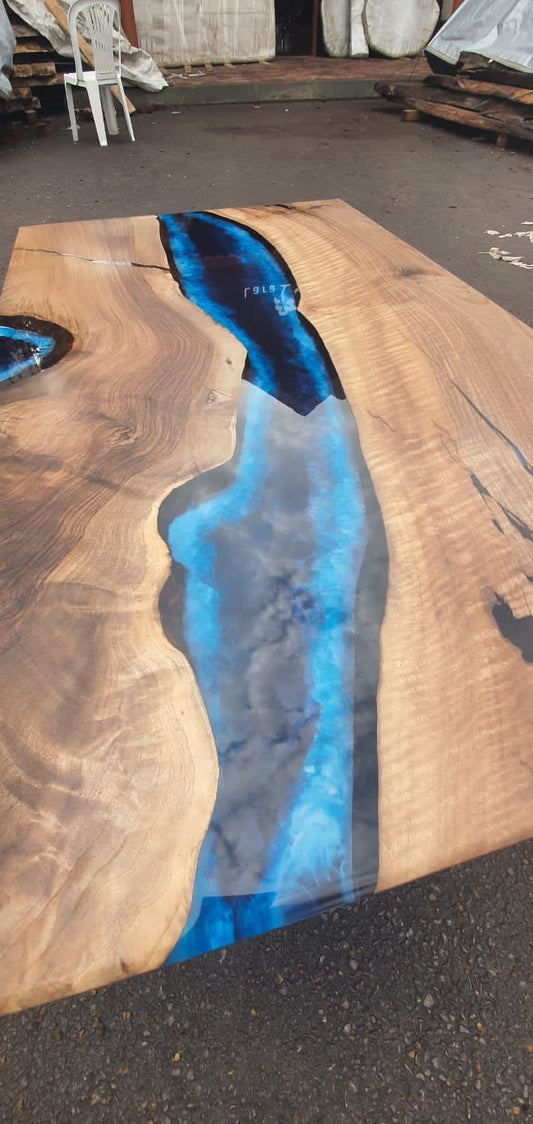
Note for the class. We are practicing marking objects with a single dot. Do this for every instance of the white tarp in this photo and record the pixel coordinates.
(137, 66)
(501, 30)
(7, 46)
(198, 31)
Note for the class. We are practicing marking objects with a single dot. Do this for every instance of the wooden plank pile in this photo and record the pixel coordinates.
(36, 66)
(483, 95)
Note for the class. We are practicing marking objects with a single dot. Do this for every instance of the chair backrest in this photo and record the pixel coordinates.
(100, 18)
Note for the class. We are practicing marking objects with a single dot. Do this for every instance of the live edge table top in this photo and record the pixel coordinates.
(266, 581)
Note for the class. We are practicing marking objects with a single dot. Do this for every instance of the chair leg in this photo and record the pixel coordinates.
(96, 106)
(125, 108)
(109, 110)
(71, 111)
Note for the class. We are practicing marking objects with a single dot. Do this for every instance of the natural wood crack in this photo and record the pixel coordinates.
(92, 261)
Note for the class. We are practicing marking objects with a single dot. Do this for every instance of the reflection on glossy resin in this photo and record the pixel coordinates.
(279, 574)
(28, 345)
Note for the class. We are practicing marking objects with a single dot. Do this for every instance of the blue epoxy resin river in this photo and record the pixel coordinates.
(268, 551)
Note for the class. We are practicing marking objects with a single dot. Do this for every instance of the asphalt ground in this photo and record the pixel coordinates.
(412, 1006)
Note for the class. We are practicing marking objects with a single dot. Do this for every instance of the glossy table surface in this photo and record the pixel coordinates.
(267, 582)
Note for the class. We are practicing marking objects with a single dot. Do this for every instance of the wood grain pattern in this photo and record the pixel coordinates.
(107, 791)
(420, 354)
(487, 89)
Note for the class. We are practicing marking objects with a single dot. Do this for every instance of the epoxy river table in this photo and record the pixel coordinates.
(266, 581)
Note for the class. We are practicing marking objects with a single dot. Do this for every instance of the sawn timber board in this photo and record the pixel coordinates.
(267, 582)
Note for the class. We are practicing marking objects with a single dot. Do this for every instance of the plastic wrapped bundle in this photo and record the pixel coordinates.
(7, 46)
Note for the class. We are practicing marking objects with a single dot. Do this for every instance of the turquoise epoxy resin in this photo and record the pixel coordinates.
(272, 553)
(28, 345)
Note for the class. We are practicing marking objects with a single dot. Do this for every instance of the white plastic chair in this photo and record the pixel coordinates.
(101, 17)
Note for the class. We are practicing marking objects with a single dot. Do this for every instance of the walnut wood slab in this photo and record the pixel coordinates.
(108, 766)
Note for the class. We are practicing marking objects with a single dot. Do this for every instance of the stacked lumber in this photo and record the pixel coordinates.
(489, 98)
(34, 67)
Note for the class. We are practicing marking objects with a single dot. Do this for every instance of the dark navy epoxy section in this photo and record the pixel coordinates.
(28, 345)
(270, 554)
